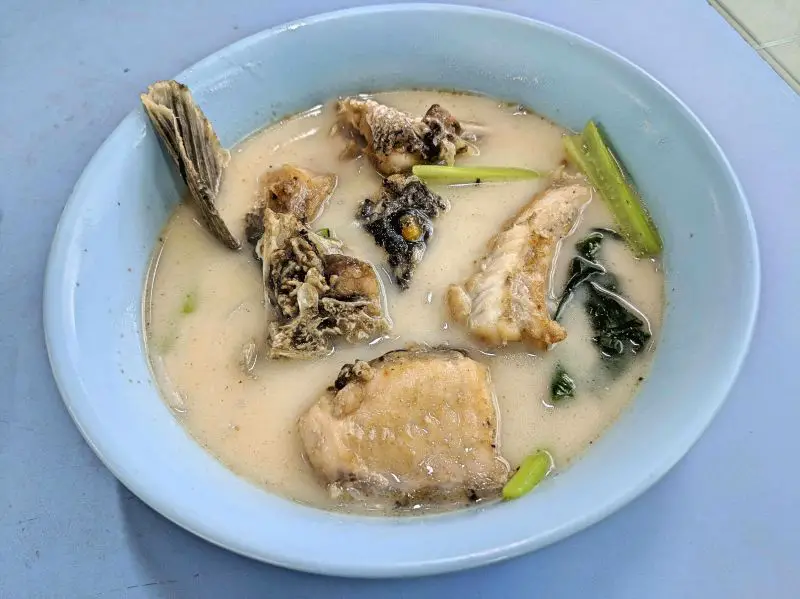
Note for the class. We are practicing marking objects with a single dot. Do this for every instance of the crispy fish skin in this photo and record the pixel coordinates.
(315, 291)
(189, 138)
(390, 137)
(506, 299)
(297, 191)
(394, 140)
(415, 425)
(289, 189)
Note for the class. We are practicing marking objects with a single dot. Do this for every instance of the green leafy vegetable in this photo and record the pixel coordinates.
(619, 329)
(562, 385)
(584, 266)
(592, 155)
(189, 304)
(605, 231)
(462, 175)
(326, 233)
(581, 269)
(589, 246)
(531, 472)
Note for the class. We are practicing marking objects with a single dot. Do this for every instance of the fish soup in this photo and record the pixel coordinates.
(351, 335)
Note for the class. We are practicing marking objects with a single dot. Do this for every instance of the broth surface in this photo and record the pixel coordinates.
(249, 422)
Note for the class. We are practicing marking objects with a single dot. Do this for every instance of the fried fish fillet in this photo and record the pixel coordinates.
(416, 425)
(506, 299)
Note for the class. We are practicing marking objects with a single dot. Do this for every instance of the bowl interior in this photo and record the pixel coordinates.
(109, 228)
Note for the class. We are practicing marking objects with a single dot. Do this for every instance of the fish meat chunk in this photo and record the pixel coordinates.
(506, 299)
(394, 140)
(315, 291)
(415, 425)
(291, 190)
(189, 138)
(401, 222)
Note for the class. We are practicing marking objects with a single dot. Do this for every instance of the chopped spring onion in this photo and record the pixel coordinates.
(189, 304)
(465, 175)
(592, 155)
(562, 385)
(326, 233)
(530, 473)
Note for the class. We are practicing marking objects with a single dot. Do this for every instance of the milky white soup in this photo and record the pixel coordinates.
(203, 303)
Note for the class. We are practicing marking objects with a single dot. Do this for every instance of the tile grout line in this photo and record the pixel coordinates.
(761, 49)
(779, 42)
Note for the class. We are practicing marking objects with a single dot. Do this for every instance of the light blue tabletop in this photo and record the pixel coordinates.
(725, 523)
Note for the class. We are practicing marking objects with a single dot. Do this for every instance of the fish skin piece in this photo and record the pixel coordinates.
(314, 292)
(289, 189)
(296, 190)
(402, 197)
(394, 140)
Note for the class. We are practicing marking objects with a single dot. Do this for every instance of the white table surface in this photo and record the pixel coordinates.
(725, 523)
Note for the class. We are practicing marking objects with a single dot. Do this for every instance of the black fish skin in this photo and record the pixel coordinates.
(400, 196)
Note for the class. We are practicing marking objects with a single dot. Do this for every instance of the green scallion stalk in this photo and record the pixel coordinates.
(531, 472)
(592, 155)
(189, 304)
(464, 175)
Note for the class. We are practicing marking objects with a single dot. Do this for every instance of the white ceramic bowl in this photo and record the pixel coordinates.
(95, 278)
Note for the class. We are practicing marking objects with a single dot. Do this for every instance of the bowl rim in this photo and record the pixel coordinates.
(69, 388)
